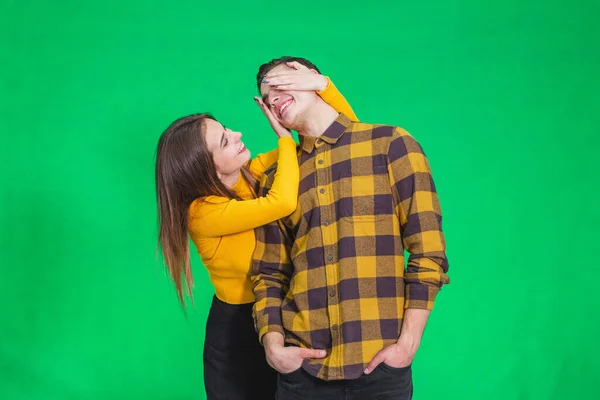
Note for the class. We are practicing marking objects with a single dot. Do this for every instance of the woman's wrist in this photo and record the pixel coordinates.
(324, 85)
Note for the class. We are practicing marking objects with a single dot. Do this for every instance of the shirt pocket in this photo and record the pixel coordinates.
(364, 191)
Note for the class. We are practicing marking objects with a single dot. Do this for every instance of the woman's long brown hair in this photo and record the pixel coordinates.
(185, 171)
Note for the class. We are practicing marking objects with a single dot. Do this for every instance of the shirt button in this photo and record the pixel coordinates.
(322, 191)
(326, 223)
(332, 293)
(329, 258)
(334, 327)
(320, 161)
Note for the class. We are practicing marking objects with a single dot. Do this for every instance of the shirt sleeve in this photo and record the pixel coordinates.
(271, 274)
(332, 96)
(219, 216)
(419, 212)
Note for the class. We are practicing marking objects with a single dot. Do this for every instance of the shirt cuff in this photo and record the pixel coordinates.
(270, 328)
(268, 320)
(420, 296)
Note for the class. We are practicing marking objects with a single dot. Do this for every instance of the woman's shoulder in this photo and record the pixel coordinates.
(203, 204)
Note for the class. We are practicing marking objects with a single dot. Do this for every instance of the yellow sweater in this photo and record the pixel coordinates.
(222, 229)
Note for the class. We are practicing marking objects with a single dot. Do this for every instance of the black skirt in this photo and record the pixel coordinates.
(234, 361)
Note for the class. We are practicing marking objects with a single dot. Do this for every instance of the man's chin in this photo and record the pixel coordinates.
(287, 122)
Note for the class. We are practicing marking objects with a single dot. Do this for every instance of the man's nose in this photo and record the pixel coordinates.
(274, 96)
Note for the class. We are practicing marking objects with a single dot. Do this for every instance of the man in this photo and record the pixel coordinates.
(337, 313)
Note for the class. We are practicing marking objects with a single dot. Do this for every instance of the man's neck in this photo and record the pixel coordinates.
(316, 120)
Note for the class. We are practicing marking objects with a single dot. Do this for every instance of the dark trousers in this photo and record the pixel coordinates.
(384, 382)
(235, 367)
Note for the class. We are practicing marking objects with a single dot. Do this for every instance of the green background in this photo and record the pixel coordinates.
(504, 97)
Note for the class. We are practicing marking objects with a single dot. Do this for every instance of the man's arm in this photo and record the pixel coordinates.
(272, 271)
(271, 274)
(420, 216)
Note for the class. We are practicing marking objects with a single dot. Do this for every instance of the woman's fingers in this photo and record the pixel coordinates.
(296, 65)
(279, 80)
(262, 106)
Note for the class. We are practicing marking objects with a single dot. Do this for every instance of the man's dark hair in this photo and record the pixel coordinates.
(265, 68)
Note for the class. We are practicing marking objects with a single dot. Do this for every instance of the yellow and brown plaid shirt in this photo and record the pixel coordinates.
(331, 275)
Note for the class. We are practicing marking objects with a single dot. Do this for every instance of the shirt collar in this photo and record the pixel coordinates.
(331, 134)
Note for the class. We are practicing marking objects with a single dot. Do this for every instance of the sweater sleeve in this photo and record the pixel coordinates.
(260, 163)
(215, 216)
(332, 96)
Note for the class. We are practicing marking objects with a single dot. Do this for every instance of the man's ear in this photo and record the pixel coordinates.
(314, 71)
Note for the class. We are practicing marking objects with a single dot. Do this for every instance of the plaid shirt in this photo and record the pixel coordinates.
(331, 275)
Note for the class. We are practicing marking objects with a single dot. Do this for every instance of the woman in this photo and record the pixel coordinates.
(206, 189)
